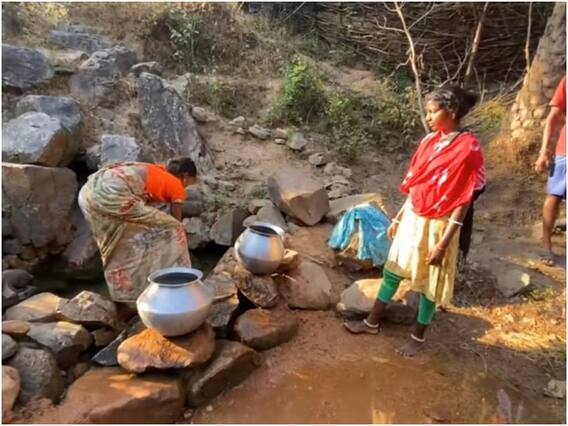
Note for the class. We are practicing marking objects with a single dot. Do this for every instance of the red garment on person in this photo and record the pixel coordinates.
(442, 173)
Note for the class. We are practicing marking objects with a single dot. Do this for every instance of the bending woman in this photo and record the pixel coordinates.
(134, 238)
(440, 184)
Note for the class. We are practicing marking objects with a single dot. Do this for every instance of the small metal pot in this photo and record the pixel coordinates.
(177, 307)
(260, 248)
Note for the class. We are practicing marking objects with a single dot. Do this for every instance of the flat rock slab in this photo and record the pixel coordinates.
(222, 286)
(222, 316)
(298, 195)
(40, 376)
(41, 308)
(24, 68)
(150, 350)
(513, 282)
(307, 287)
(259, 289)
(111, 396)
(15, 328)
(9, 346)
(37, 138)
(65, 340)
(261, 329)
(11, 384)
(231, 364)
(89, 309)
(119, 148)
(42, 197)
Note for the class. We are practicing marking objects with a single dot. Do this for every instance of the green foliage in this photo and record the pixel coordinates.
(303, 97)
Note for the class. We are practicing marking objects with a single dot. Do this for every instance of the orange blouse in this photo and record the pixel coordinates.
(162, 185)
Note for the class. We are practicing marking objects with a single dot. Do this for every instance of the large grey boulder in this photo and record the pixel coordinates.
(298, 195)
(118, 148)
(61, 107)
(37, 138)
(40, 376)
(65, 340)
(81, 257)
(228, 227)
(168, 124)
(78, 37)
(95, 81)
(24, 68)
(37, 202)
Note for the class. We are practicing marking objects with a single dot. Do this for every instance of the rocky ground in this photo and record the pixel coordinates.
(273, 349)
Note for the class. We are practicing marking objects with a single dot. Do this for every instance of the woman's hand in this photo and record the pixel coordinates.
(542, 164)
(391, 231)
(436, 256)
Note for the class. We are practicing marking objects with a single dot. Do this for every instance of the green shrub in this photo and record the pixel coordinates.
(303, 97)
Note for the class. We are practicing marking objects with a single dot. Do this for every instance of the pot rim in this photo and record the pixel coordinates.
(279, 231)
(196, 272)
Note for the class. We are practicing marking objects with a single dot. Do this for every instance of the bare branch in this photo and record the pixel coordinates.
(528, 42)
(475, 45)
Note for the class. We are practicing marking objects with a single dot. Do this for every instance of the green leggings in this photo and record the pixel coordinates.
(426, 308)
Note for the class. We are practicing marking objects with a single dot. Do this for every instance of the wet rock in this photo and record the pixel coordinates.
(298, 195)
(261, 329)
(15, 328)
(513, 282)
(38, 201)
(61, 107)
(297, 142)
(79, 38)
(103, 336)
(151, 67)
(280, 134)
(37, 138)
(9, 347)
(259, 132)
(168, 124)
(108, 356)
(255, 205)
(88, 309)
(556, 389)
(231, 364)
(307, 287)
(259, 289)
(290, 261)
(65, 61)
(197, 232)
(222, 286)
(179, 85)
(399, 313)
(24, 68)
(39, 308)
(150, 350)
(222, 315)
(317, 159)
(11, 384)
(39, 374)
(338, 207)
(82, 257)
(271, 214)
(228, 227)
(111, 396)
(335, 169)
(118, 148)
(65, 340)
(95, 81)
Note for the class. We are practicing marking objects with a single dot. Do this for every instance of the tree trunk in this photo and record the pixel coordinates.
(529, 111)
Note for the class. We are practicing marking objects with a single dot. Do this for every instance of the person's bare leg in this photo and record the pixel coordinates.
(370, 324)
(415, 342)
(550, 214)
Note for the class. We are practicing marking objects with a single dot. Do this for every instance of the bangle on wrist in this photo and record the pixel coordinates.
(395, 220)
(455, 222)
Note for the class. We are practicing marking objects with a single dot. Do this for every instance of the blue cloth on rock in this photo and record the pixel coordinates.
(372, 225)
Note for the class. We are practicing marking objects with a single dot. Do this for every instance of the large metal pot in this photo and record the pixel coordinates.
(260, 248)
(175, 302)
